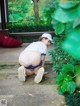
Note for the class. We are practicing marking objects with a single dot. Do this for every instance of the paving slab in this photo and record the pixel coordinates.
(22, 94)
(28, 93)
(32, 95)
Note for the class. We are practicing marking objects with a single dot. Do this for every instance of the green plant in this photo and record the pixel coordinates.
(20, 27)
(66, 24)
(48, 8)
(16, 10)
(66, 27)
(68, 15)
(65, 79)
(72, 99)
(59, 56)
(23, 11)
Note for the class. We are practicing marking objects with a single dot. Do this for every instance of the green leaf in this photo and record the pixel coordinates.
(72, 43)
(64, 86)
(65, 16)
(59, 28)
(77, 70)
(68, 78)
(71, 86)
(67, 4)
(68, 68)
(68, 27)
(60, 90)
(76, 22)
(59, 78)
(74, 35)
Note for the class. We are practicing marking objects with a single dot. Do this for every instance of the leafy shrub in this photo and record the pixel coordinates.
(59, 56)
(73, 99)
(16, 27)
(66, 24)
(48, 8)
(64, 65)
(65, 79)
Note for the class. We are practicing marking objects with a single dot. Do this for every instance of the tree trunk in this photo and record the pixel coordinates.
(36, 11)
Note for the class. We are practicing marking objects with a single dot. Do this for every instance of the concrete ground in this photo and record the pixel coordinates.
(28, 93)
